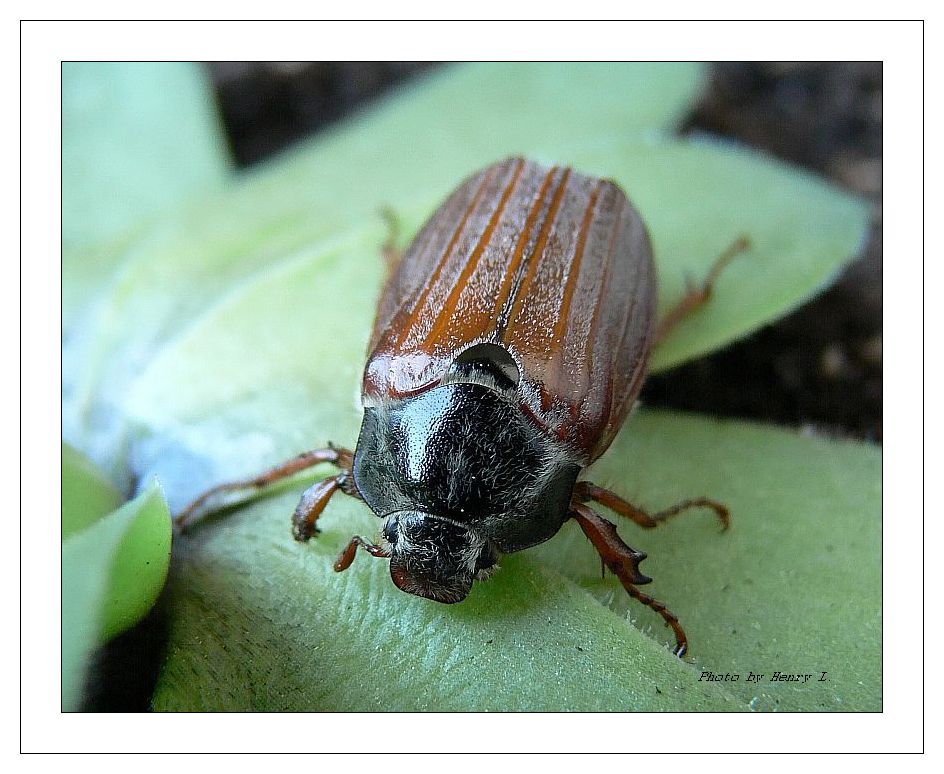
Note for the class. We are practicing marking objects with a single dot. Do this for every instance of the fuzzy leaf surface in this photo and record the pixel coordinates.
(260, 622)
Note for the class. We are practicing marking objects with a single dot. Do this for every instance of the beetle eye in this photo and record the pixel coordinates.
(390, 531)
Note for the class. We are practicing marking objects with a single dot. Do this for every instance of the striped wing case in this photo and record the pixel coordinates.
(551, 265)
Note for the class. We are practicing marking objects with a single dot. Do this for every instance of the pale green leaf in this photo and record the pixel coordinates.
(138, 139)
(112, 572)
(86, 494)
(260, 622)
(698, 198)
(795, 586)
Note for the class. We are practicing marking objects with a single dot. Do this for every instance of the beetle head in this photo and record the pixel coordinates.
(434, 558)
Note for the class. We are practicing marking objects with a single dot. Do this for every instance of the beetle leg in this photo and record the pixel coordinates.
(623, 561)
(204, 504)
(698, 296)
(347, 555)
(313, 502)
(584, 491)
(681, 641)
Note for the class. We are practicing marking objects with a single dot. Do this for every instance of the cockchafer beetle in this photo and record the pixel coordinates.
(511, 341)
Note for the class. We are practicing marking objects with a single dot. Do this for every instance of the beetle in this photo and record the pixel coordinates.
(511, 341)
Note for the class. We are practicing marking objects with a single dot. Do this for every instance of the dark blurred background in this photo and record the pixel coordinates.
(820, 368)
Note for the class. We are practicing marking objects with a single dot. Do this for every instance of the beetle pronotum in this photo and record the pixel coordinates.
(511, 341)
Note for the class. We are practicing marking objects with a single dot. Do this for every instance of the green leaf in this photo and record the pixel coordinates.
(698, 198)
(260, 622)
(86, 494)
(138, 139)
(112, 573)
(794, 586)
(418, 144)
